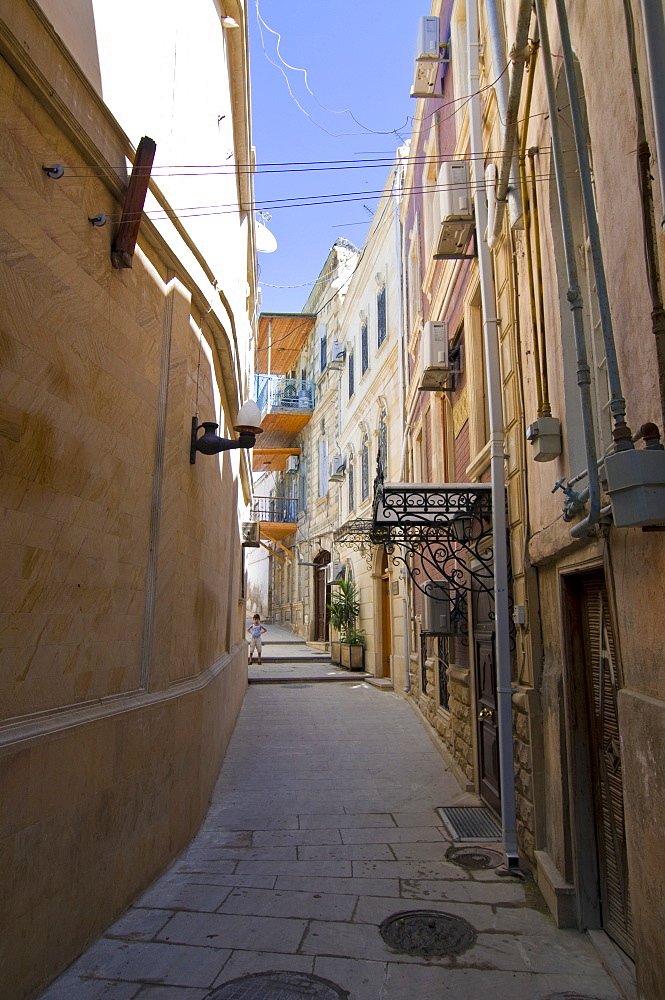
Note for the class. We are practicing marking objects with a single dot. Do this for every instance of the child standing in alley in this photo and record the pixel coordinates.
(255, 630)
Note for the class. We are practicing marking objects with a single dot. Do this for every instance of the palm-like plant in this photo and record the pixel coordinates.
(344, 609)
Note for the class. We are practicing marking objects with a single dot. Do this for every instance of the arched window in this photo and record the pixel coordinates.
(364, 468)
(351, 484)
(383, 441)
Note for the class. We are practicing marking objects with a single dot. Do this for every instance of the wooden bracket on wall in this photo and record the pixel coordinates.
(124, 244)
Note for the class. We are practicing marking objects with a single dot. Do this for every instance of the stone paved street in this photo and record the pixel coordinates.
(323, 824)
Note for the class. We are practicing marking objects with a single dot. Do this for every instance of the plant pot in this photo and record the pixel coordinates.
(352, 656)
(335, 651)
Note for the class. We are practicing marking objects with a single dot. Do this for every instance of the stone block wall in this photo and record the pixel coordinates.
(122, 661)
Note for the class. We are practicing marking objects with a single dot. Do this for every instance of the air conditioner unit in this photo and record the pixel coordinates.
(434, 355)
(292, 463)
(436, 608)
(337, 355)
(337, 468)
(455, 208)
(335, 571)
(251, 534)
(427, 57)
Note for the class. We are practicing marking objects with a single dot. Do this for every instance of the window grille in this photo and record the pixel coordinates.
(364, 462)
(364, 341)
(352, 487)
(352, 386)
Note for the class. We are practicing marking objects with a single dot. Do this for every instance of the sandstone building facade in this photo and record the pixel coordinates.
(123, 653)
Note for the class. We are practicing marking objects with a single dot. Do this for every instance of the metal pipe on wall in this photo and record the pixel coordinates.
(621, 433)
(499, 60)
(518, 56)
(499, 525)
(399, 249)
(574, 294)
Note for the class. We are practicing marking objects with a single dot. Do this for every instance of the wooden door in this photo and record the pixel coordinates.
(601, 686)
(486, 717)
(321, 597)
(386, 625)
(485, 706)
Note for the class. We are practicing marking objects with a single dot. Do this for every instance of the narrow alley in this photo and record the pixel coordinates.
(323, 824)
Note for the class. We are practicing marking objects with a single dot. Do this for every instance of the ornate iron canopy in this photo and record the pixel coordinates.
(440, 531)
(356, 535)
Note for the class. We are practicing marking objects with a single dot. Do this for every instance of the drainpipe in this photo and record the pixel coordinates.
(518, 57)
(653, 21)
(499, 59)
(399, 250)
(621, 432)
(574, 294)
(499, 526)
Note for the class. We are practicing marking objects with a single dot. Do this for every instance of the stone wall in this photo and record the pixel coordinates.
(123, 660)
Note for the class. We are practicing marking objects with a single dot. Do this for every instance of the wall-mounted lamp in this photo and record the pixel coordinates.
(248, 426)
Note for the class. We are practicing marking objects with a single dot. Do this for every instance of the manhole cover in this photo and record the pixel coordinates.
(474, 857)
(428, 933)
(279, 986)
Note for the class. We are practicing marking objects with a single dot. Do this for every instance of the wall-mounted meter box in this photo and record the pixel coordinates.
(544, 435)
(636, 486)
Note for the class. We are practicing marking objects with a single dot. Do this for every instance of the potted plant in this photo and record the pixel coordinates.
(348, 649)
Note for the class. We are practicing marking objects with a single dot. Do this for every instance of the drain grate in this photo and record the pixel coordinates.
(428, 933)
(470, 822)
(279, 986)
(474, 857)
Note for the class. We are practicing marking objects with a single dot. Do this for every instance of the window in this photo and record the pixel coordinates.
(381, 315)
(302, 484)
(352, 375)
(323, 346)
(364, 344)
(323, 468)
(364, 469)
(352, 488)
(383, 440)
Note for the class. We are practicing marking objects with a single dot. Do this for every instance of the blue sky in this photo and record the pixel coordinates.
(358, 55)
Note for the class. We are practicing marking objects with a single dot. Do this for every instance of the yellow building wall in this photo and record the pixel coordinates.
(122, 663)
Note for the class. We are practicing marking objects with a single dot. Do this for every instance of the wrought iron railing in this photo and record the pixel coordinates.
(283, 395)
(279, 510)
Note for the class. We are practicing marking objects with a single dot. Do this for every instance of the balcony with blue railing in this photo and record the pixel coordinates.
(277, 394)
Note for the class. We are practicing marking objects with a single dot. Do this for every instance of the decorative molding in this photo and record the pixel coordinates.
(28, 729)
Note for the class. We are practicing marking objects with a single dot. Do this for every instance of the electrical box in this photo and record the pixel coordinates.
(436, 608)
(427, 57)
(427, 40)
(434, 355)
(337, 355)
(544, 435)
(335, 571)
(292, 463)
(636, 486)
(337, 468)
(251, 535)
(455, 210)
(454, 183)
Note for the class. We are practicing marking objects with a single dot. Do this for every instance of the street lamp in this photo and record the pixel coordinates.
(248, 425)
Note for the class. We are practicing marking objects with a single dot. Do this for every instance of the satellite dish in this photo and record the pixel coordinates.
(265, 241)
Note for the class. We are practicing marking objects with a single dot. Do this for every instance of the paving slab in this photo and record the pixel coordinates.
(322, 825)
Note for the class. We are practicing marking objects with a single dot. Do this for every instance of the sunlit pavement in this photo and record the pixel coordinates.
(323, 824)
